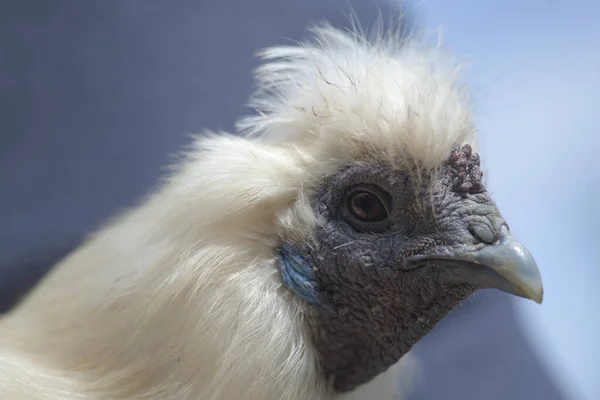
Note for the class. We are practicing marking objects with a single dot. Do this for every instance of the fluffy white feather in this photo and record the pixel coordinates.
(180, 298)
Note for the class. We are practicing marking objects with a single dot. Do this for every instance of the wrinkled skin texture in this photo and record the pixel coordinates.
(378, 288)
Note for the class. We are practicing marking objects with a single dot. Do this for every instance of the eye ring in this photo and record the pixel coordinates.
(368, 204)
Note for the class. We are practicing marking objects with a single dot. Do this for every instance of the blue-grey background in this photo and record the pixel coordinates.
(96, 95)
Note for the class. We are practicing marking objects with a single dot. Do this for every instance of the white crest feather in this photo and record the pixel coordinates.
(349, 94)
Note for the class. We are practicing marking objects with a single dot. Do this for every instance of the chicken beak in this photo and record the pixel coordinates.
(510, 267)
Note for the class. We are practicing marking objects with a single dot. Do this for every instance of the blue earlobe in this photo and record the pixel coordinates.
(297, 274)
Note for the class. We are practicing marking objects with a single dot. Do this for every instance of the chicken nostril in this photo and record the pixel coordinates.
(482, 232)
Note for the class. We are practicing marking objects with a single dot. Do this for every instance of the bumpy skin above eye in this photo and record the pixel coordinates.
(373, 305)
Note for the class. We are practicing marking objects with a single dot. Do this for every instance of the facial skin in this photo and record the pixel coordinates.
(392, 258)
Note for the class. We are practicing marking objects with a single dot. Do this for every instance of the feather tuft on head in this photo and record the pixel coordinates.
(348, 95)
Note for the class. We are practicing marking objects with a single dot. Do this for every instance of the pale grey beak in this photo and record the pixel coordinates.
(510, 267)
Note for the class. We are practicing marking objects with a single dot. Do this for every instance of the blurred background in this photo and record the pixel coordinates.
(96, 95)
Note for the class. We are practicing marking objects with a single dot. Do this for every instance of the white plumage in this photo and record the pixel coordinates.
(180, 298)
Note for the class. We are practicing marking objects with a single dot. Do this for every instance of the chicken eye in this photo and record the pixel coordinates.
(366, 206)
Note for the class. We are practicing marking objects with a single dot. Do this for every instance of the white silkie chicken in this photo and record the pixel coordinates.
(297, 260)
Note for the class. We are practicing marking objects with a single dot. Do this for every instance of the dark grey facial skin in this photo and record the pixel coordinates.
(379, 287)
(382, 304)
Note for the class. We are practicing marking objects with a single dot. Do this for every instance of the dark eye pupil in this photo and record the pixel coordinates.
(367, 207)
